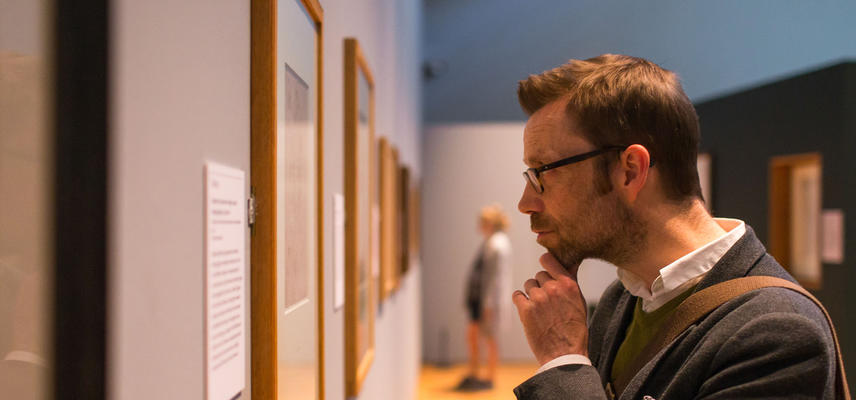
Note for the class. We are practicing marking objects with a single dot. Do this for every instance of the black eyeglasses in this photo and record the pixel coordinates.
(533, 175)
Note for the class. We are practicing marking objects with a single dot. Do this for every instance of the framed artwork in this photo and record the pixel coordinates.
(390, 230)
(377, 154)
(404, 219)
(286, 184)
(704, 165)
(359, 145)
(414, 224)
(795, 212)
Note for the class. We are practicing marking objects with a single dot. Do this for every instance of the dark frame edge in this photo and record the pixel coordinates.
(81, 30)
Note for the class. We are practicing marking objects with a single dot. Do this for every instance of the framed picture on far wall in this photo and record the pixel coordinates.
(704, 164)
(389, 232)
(404, 220)
(796, 188)
(359, 157)
(376, 195)
(414, 223)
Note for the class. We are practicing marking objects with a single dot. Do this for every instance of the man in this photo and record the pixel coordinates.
(612, 143)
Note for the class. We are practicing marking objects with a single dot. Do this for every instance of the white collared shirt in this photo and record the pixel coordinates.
(673, 280)
(684, 272)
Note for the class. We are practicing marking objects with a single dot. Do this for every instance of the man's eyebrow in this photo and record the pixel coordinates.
(532, 161)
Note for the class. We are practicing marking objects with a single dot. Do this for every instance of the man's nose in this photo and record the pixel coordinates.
(530, 202)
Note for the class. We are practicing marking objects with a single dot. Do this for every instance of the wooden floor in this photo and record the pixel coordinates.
(438, 383)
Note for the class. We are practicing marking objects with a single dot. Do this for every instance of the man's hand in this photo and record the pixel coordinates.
(554, 313)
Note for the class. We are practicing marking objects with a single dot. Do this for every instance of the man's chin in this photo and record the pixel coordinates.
(561, 251)
(544, 240)
(565, 256)
(566, 259)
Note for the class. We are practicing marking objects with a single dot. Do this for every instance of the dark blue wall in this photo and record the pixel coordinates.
(813, 112)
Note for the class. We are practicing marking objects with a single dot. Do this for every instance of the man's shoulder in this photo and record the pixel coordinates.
(775, 299)
(759, 303)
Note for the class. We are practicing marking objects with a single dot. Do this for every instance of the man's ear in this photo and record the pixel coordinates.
(632, 171)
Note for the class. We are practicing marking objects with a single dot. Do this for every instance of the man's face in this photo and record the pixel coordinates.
(573, 220)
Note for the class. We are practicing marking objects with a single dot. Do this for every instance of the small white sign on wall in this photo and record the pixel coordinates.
(225, 281)
(832, 250)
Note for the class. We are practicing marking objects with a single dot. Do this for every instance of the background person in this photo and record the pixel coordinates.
(487, 291)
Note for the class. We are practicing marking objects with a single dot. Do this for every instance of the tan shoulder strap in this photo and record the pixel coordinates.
(706, 300)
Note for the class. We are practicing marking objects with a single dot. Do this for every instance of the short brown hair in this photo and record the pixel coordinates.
(623, 100)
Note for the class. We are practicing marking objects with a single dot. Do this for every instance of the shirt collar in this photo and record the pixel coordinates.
(684, 272)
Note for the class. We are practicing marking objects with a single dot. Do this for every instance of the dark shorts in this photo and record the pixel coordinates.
(475, 310)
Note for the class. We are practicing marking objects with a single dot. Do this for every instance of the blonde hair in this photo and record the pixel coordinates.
(495, 216)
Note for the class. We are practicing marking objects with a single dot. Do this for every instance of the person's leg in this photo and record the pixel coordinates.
(487, 329)
(492, 357)
(473, 341)
(470, 382)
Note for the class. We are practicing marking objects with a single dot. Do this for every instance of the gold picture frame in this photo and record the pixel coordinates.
(704, 166)
(359, 155)
(390, 230)
(415, 221)
(404, 217)
(264, 111)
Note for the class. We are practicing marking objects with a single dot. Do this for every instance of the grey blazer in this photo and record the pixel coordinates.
(769, 343)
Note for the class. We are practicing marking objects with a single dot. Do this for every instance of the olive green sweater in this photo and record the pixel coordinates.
(642, 329)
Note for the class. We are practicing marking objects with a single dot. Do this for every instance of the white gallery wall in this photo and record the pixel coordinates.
(389, 32)
(468, 166)
(180, 96)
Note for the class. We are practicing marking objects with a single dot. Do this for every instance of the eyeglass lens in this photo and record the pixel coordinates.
(532, 179)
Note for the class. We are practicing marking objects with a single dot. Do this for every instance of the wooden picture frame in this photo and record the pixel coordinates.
(389, 232)
(404, 219)
(415, 221)
(795, 204)
(359, 149)
(265, 88)
(376, 226)
(704, 165)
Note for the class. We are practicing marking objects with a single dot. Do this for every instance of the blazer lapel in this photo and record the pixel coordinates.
(632, 391)
(615, 335)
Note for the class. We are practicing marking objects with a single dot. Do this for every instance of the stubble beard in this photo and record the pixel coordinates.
(608, 230)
